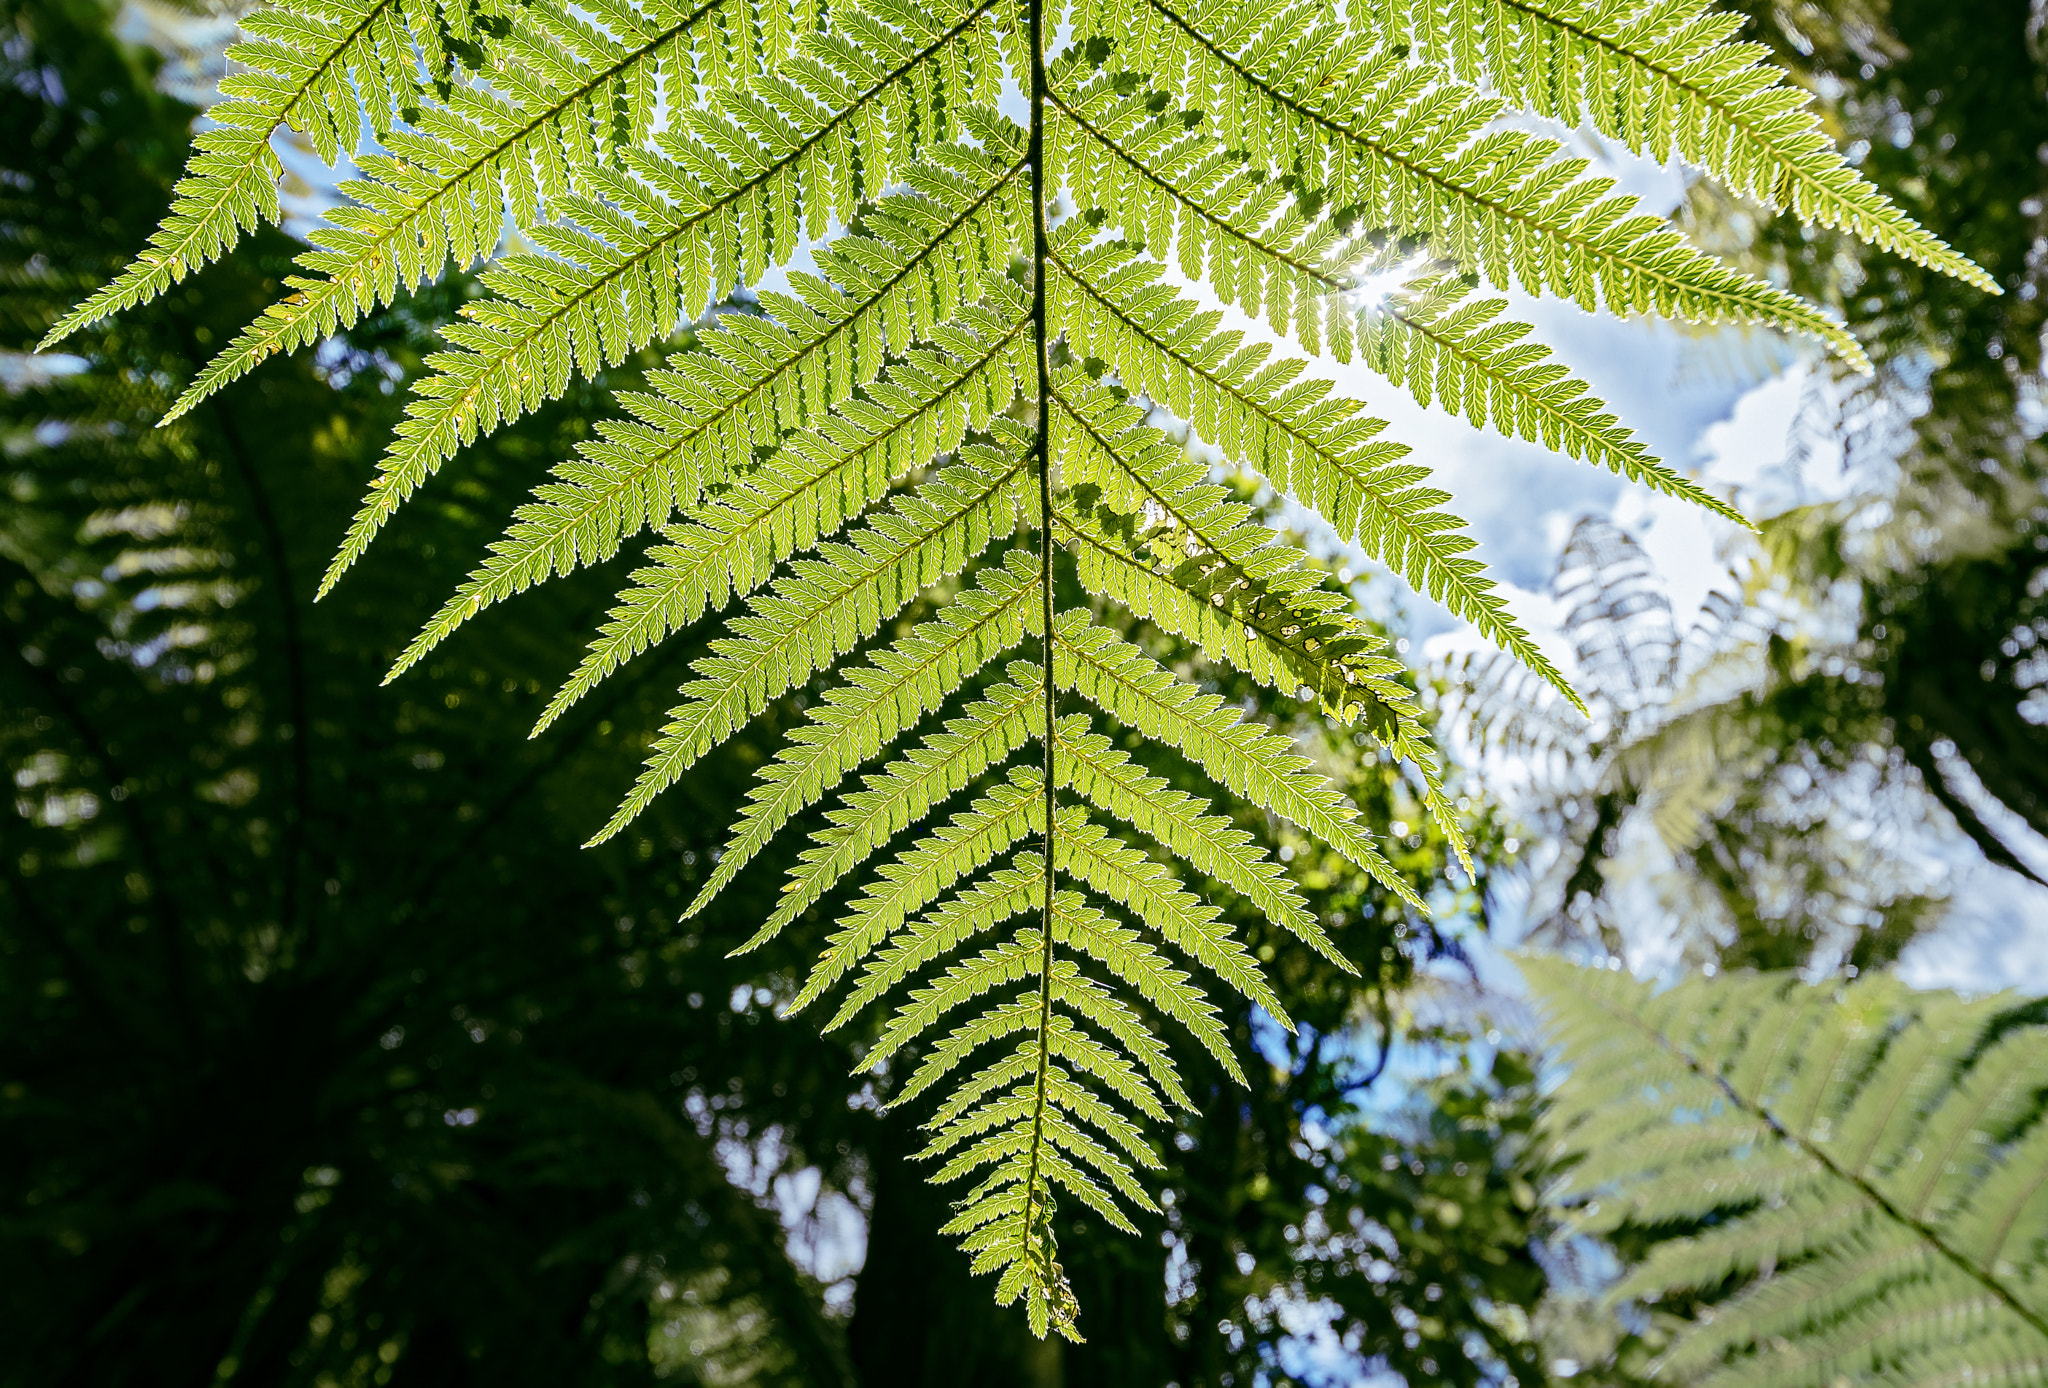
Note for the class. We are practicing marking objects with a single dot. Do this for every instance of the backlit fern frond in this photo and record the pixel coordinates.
(316, 66)
(921, 257)
(1864, 1163)
(524, 143)
(1412, 150)
(942, 402)
(1664, 78)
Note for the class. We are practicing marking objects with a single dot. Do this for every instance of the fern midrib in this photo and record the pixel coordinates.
(1431, 176)
(1040, 251)
(1926, 1232)
(460, 405)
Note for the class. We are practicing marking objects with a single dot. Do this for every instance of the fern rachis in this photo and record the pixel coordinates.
(965, 390)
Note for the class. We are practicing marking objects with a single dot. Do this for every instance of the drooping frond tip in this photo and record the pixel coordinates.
(881, 480)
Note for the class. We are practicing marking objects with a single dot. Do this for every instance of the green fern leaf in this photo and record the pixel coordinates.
(302, 66)
(1664, 79)
(442, 191)
(1867, 1161)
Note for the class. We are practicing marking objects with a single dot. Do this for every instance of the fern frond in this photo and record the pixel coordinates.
(813, 485)
(302, 65)
(1665, 79)
(1862, 1138)
(718, 200)
(443, 190)
(953, 372)
(1254, 764)
(828, 605)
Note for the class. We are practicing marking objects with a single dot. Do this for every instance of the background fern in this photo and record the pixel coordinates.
(1863, 1165)
(981, 384)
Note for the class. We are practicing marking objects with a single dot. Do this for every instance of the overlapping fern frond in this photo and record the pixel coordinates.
(973, 347)
(1864, 1165)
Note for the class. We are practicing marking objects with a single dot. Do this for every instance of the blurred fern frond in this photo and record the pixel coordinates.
(1863, 1164)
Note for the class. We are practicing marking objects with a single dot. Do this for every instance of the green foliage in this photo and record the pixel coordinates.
(968, 389)
(1860, 1166)
(1666, 80)
(1879, 674)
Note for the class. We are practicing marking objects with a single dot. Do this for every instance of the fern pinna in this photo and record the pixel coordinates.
(1863, 1166)
(1042, 238)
